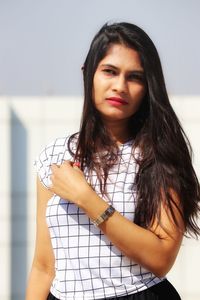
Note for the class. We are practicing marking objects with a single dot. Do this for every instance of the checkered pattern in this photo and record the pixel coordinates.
(88, 266)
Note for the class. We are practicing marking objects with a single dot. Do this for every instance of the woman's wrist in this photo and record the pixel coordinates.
(83, 197)
(93, 205)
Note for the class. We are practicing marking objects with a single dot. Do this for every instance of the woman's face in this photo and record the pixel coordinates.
(118, 84)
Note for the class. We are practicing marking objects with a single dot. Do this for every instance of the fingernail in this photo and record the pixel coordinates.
(77, 164)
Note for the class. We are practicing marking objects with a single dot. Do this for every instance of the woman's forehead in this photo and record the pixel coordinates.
(120, 55)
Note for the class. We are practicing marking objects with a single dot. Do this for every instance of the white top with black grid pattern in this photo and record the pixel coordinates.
(88, 266)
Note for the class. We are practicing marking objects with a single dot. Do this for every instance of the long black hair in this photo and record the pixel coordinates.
(165, 162)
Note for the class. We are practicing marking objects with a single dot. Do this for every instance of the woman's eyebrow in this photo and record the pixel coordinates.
(138, 71)
(109, 66)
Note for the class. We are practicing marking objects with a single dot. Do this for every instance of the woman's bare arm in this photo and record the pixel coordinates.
(152, 248)
(42, 271)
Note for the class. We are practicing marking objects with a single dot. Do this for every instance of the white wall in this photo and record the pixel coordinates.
(26, 125)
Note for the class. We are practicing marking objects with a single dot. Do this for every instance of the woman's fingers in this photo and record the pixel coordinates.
(67, 179)
(66, 163)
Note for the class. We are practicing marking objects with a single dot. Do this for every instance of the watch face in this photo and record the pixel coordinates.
(105, 215)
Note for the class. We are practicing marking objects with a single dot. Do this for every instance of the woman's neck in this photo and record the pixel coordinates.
(118, 130)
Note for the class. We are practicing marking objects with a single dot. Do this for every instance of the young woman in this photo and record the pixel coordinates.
(115, 199)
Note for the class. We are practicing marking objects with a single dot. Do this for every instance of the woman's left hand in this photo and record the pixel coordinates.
(69, 182)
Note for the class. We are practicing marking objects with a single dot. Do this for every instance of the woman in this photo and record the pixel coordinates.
(120, 194)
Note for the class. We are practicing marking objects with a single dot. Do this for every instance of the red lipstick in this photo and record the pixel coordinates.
(117, 101)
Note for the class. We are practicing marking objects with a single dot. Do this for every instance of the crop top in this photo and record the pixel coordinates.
(88, 266)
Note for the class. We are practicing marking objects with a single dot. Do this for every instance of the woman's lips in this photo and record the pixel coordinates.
(117, 101)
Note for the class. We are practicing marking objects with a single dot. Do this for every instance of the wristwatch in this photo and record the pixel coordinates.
(104, 216)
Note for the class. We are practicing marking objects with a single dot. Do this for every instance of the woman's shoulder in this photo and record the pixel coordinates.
(54, 149)
(61, 145)
(55, 152)
(57, 146)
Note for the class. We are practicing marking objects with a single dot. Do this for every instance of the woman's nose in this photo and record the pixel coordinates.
(119, 84)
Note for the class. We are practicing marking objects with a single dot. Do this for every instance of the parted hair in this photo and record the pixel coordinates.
(165, 164)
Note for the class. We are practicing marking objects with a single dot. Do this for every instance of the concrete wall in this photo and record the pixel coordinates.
(26, 125)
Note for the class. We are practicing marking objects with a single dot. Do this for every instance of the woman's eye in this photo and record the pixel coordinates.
(109, 71)
(135, 77)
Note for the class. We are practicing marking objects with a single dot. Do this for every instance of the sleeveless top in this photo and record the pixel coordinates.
(88, 266)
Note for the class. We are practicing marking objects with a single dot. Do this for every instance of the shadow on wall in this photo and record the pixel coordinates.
(18, 221)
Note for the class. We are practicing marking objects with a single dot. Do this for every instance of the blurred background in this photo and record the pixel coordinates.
(43, 44)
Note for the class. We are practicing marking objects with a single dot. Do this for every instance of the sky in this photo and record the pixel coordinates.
(44, 42)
